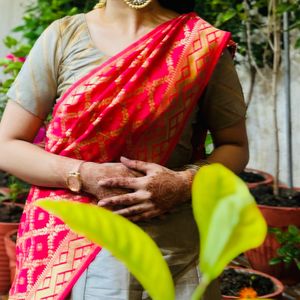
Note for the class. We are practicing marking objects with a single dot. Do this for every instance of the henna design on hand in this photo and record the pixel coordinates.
(169, 188)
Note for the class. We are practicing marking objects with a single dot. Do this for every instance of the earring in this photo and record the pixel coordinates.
(137, 4)
(100, 4)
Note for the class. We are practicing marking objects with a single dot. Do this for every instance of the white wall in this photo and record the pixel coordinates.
(261, 126)
(11, 12)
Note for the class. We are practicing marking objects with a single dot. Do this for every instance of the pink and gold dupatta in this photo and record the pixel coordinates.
(136, 104)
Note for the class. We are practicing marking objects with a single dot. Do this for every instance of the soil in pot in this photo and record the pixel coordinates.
(254, 178)
(286, 198)
(251, 177)
(10, 213)
(233, 282)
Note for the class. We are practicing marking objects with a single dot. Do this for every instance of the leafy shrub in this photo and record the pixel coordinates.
(289, 250)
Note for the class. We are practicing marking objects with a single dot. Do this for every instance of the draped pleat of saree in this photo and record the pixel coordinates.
(136, 104)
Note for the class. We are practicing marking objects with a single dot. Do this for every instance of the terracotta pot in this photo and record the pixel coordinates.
(280, 217)
(278, 286)
(268, 178)
(4, 261)
(10, 247)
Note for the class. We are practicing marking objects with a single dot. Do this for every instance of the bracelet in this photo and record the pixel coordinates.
(74, 181)
(197, 165)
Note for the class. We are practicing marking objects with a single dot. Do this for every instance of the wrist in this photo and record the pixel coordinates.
(87, 176)
(196, 166)
(188, 176)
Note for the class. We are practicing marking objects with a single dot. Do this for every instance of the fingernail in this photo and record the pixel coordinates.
(101, 203)
(123, 157)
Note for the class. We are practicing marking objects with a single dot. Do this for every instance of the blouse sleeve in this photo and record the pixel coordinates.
(35, 87)
(222, 104)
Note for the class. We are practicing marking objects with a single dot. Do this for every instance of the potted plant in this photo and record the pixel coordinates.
(241, 283)
(255, 178)
(10, 239)
(9, 220)
(287, 259)
(280, 212)
(275, 202)
(10, 213)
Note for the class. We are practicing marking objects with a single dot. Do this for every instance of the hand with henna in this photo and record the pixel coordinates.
(92, 173)
(155, 193)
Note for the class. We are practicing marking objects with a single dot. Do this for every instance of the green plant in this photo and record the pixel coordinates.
(38, 15)
(12, 64)
(289, 250)
(251, 23)
(16, 189)
(220, 200)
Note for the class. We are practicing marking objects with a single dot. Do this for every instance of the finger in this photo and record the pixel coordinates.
(147, 215)
(120, 182)
(135, 209)
(124, 199)
(138, 165)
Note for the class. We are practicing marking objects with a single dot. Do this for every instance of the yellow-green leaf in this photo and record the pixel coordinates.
(228, 219)
(125, 240)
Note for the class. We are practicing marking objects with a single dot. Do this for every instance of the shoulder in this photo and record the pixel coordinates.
(71, 29)
(194, 17)
(202, 24)
(63, 27)
(71, 22)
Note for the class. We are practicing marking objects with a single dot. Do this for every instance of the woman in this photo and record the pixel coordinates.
(129, 78)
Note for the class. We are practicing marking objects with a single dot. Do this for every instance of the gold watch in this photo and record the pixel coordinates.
(74, 181)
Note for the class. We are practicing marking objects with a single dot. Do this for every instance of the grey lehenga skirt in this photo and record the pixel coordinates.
(177, 236)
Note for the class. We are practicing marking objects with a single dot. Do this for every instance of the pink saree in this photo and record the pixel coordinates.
(136, 104)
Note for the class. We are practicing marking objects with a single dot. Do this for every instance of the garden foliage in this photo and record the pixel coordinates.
(289, 250)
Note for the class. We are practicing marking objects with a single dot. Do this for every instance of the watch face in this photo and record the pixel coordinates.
(74, 183)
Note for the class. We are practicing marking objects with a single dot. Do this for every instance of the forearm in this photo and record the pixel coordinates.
(34, 165)
(234, 157)
(231, 147)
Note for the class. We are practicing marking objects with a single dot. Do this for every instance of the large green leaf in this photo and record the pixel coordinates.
(125, 240)
(228, 219)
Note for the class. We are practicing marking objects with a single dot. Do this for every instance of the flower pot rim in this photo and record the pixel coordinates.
(257, 171)
(269, 178)
(10, 233)
(279, 287)
(286, 208)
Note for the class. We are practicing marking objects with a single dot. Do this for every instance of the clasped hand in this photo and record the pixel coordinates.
(157, 191)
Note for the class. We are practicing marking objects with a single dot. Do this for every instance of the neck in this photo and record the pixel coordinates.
(121, 9)
(118, 12)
